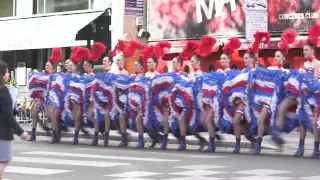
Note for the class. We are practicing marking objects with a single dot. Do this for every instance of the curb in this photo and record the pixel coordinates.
(225, 144)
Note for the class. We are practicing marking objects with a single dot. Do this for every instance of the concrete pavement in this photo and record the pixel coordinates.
(40, 160)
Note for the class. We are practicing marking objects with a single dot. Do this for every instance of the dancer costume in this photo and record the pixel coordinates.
(103, 97)
(58, 87)
(38, 86)
(182, 99)
(309, 87)
(39, 82)
(259, 86)
(75, 88)
(159, 88)
(97, 50)
(229, 90)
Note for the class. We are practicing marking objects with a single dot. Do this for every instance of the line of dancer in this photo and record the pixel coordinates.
(253, 102)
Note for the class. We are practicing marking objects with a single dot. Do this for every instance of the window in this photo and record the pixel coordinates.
(6, 8)
(52, 6)
(40, 6)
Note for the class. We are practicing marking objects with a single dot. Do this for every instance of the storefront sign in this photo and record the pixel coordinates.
(134, 8)
(297, 14)
(256, 17)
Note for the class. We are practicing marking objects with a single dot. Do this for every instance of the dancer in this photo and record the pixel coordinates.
(121, 88)
(162, 86)
(74, 97)
(240, 98)
(311, 65)
(103, 100)
(265, 96)
(38, 83)
(185, 93)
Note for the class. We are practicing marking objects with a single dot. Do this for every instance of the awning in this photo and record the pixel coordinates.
(44, 31)
(177, 46)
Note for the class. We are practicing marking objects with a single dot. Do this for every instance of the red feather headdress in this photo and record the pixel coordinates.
(97, 50)
(73, 56)
(56, 55)
(157, 50)
(314, 33)
(258, 37)
(288, 37)
(205, 46)
(233, 44)
(81, 53)
(189, 50)
(131, 47)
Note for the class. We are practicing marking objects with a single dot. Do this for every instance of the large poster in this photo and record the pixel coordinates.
(297, 14)
(190, 19)
(180, 19)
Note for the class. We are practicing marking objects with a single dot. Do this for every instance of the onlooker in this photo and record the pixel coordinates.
(8, 124)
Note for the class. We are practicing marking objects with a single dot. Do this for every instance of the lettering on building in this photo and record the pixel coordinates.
(201, 5)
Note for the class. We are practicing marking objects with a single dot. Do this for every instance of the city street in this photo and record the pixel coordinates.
(41, 160)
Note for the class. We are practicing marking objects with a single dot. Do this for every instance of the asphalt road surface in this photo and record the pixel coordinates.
(43, 161)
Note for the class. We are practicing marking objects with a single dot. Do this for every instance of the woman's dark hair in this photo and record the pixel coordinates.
(89, 62)
(283, 54)
(234, 66)
(180, 60)
(211, 68)
(3, 71)
(186, 69)
(312, 46)
(198, 58)
(165, 69)
(140, 62)
(228, 55)
(154, 60)
(110, 59)
(61, 65)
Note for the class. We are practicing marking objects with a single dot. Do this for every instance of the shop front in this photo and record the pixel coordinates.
(28, 34)
(183, 20)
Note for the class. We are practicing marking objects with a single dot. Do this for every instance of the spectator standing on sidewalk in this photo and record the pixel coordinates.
(8, 124)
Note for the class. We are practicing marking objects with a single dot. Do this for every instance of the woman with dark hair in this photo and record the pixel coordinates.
(162, 86)
(60, 67)
(121, 85)
(239, 99)
(312, 67)
(97, 49)
(55, 97)
(265, 100)
(184, 97)
(8, 125)
(102, 98)
(74, 99)
(233, 102)
(38, 83)
(140, 95)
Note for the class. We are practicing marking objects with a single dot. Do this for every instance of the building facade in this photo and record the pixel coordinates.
(31, 28)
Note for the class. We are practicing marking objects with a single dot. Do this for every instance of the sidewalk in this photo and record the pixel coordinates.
(228, 141)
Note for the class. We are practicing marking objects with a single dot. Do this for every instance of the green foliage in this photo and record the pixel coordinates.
(12, 82)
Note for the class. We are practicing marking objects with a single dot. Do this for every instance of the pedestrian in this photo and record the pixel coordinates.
(8, 124)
